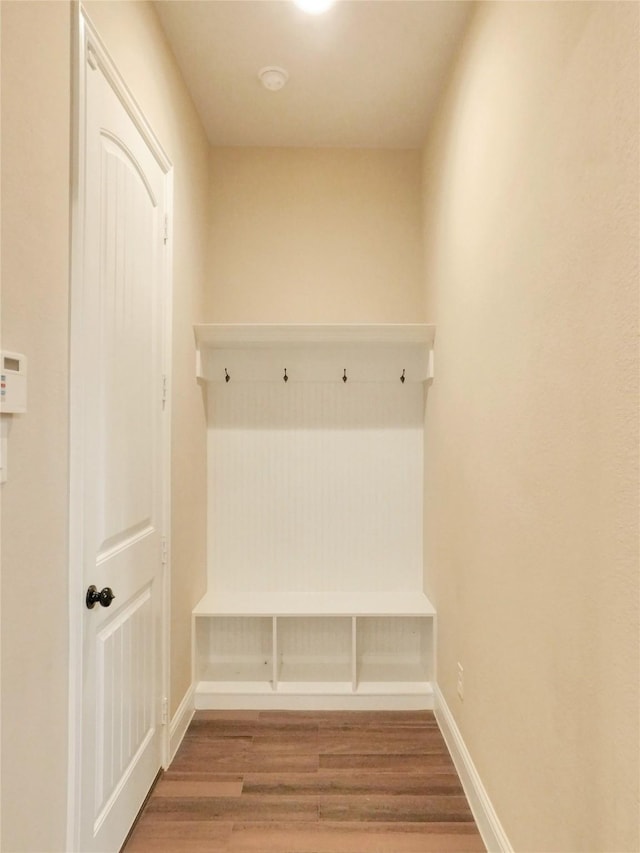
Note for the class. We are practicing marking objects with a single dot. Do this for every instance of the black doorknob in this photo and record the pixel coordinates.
(104, 597)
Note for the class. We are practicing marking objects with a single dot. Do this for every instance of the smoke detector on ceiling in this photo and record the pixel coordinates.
(273, 78)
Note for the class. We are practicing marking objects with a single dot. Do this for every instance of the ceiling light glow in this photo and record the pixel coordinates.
(314, 7)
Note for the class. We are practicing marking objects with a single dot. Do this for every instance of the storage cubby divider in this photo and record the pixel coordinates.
(316, 659)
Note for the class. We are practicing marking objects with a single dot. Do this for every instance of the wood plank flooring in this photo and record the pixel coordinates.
(309, 782)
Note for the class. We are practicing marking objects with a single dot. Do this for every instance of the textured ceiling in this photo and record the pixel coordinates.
(365, 74)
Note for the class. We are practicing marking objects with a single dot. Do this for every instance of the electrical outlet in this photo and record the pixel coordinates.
(460, 682)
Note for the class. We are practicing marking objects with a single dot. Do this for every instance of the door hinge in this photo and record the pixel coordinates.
(164, 551)
(91, 57)
(166, 228)
(164, 711)
(165, 390)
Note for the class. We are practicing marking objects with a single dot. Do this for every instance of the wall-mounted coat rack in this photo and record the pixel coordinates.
(315, 353)
(286, 377)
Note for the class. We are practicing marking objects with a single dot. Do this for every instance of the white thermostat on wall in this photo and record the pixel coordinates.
(13, 383)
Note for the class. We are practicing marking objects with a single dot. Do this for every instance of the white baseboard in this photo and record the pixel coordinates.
(484, 813)
(180, 722)
(310, 696)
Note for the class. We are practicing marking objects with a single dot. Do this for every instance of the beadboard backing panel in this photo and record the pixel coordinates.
(315, 487)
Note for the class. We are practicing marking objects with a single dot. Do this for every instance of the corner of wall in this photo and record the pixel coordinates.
(180, 722)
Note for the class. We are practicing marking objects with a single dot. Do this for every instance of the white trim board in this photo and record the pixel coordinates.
(180, 723)
(484, 813)
(320, 701)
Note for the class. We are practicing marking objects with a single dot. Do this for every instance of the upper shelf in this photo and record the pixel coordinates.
(314, 352)
(234, 335)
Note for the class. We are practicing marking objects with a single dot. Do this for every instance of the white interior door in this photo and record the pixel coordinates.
(118, 420)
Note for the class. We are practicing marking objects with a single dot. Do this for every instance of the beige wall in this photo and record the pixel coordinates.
(531, 241)
(36, 91)
(35, 95)
(136, 42)
(314, 236)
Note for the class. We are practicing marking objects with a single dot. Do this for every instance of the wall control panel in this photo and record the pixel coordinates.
(13, 383)
(13, 399)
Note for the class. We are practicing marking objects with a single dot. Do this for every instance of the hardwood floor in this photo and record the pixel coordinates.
(309, 782)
